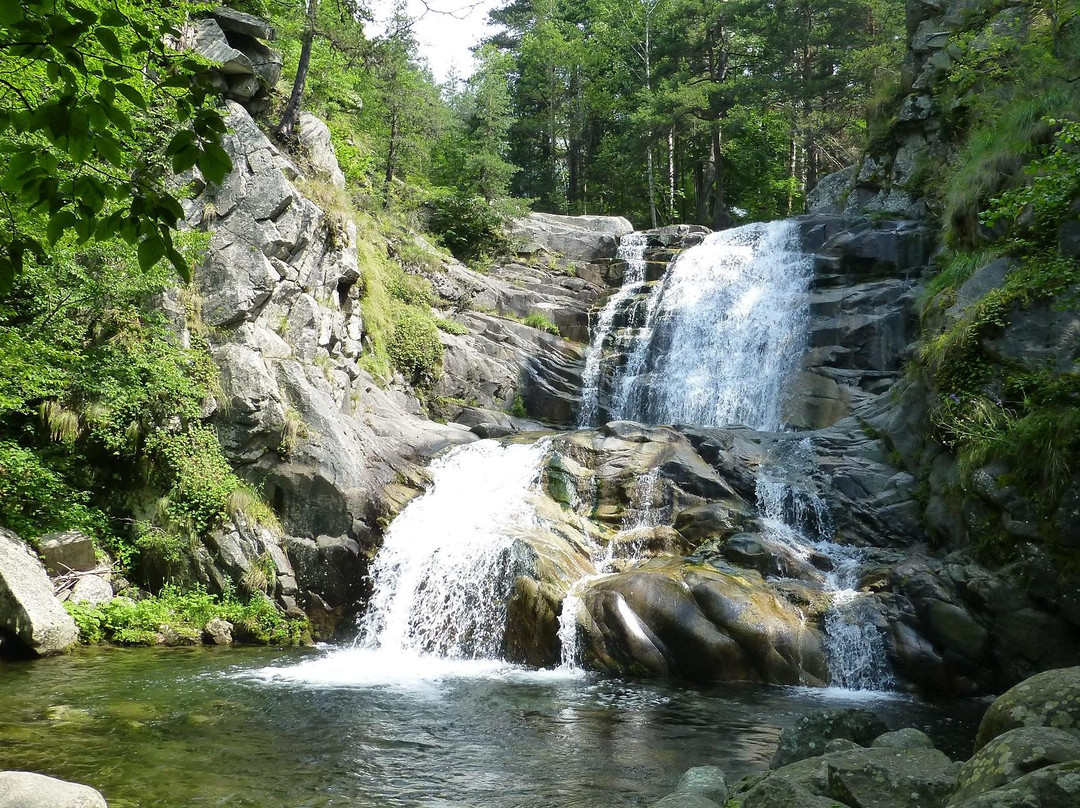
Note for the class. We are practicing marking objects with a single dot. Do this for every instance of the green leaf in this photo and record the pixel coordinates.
(109, 42)
(113, 18)
(178, 262)
(184, 159)
(10, 12)
(132, 95)
(214, 163)
(151, 250)
(59, 224)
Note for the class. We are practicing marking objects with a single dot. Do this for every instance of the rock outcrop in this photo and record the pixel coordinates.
(30, 615)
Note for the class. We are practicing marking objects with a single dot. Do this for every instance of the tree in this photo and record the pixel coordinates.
(86, 90)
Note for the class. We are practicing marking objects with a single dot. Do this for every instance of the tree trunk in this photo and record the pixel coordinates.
(652, 183)
(391, 155)
(289, 118)
(671, 173)
(720, 219)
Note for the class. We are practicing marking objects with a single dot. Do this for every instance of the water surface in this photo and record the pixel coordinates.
(273, 728)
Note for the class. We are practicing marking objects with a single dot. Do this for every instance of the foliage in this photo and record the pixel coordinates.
(542, 323)
(82, 119)
(414, 346)
(451, 327)
(136, 622)
(470, 226)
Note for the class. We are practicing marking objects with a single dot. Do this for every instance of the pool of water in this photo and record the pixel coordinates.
(273, 728)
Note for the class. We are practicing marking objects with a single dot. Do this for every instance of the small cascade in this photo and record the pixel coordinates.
(723, 333)
(444, 572)
(796, 517)
(646, 511)
(632, 252)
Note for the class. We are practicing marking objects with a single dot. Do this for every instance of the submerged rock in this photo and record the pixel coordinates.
(29, 790)
(813, 731)
(29, 611)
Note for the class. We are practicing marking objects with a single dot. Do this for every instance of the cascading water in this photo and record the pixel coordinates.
(646, 511)
(723, 333)
(632, 252)
(796, 518)
(444, 572)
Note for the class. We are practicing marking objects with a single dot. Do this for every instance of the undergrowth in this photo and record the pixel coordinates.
(185, 612)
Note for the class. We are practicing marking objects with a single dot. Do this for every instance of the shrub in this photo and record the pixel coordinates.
(542, 323)
(414, 346)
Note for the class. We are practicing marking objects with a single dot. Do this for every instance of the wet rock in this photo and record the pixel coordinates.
(29, 612)
(666, 618)
(779, 792)
(1056, 786)
(705, 781)
(1010, 756)
(1048, 699)
(906, 738)
(811, 732)
(218, 632)
(69, 551)
(685, 800)
(714, 521)
(29, 790)
(890, 778)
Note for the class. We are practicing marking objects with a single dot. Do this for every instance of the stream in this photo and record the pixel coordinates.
(272, 728)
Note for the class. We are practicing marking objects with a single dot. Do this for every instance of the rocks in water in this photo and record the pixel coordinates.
(69, 551)
(695, 622)
(1048, 699)
(706, 781)
(813, 731)
(29, 611)
(29, 790)
(1055, 786)
(906, 738)
(1012, 755)
(880, 777)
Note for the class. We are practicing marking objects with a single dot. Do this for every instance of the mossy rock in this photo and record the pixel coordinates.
(1010, 756)
(1048, 699)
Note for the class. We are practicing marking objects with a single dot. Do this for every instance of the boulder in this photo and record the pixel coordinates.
(29, 611)
(314, 137)
(69, 551)
(1056, 786)
(906, 738)
(1010, 756)
(93, 590)
(685, 800)
(812, 731)
(29, 790)
(670, 618)
(705, 781)
(579, 238)
(1048, 699)
(218, 632)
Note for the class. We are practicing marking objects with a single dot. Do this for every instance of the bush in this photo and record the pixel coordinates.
(467, 224)
(541, 322)
(414, 346)
(137, 622)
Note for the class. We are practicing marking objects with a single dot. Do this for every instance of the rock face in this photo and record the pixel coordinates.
(30, 613)
(246, 69)
(28, 790)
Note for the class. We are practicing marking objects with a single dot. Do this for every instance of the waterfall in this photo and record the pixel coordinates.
(632, 252)
(722, 334)
(796, 517)
(645, 511)
(444, 572)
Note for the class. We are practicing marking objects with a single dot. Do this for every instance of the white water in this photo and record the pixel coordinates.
(796, 517)
(723, 334)
(444, 572)
(632, 251)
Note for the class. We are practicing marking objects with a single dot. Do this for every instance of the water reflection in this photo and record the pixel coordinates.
(289, 729)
